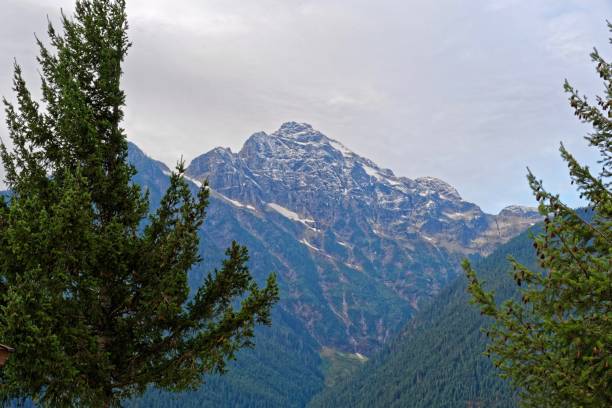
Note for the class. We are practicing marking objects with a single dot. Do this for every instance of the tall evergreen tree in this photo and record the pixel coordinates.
(93, 295)
(555, 344)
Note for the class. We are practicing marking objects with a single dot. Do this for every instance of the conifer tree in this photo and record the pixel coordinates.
(93, 294)
(555, 343)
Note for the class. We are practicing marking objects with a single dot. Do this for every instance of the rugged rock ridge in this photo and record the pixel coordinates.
(319, 179)
(356, 248)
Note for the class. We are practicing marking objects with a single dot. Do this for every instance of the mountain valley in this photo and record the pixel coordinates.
(357, 249)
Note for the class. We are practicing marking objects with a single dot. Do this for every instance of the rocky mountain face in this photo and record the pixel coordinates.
(439, 352)
(302, 174)
(356, 248)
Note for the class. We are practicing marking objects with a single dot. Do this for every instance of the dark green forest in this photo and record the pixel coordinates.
(282, 371)
(437, 361)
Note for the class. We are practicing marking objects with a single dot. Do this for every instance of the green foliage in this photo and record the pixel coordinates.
(95, 296)
(282, 370)
(437, 361)
(555, 342)
(338, 366)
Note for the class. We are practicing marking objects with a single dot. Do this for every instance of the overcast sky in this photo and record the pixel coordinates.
(469, 91)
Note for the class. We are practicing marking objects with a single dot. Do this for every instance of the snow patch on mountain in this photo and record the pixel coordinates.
(287, 213)
(394, 182)
(341, 148)
(372, 172)
(361, 357)
(459, 215)
(194, 181)
(309, 245)
(235, 203)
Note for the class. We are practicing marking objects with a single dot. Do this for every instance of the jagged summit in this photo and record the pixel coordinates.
(519, 210)
(356, 247)
(140, 159)
(440, 186)
(318, 178)
(293, 128)
(301, 134)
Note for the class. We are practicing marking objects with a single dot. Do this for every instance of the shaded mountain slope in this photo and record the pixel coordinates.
(437, 361)
(283, 370)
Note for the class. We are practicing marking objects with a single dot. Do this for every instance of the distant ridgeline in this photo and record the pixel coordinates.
(356, 249)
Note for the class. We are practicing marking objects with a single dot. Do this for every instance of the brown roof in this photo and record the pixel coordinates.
(6, 348)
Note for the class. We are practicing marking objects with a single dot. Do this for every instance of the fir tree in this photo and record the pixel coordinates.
(93, 295)
(555, 343)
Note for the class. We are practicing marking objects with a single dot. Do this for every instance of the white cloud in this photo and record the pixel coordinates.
(466, 91)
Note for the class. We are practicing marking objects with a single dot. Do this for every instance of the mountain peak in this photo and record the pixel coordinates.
(332, 222)
(519, 210)
(294, 127)
(300, 132)
(140, 159)
(439, 186)
(302, 170)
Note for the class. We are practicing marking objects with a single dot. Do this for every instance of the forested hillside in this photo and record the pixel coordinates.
(438, 361)
(282, 371)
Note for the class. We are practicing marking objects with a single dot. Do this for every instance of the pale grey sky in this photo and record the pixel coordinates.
(469, 91)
